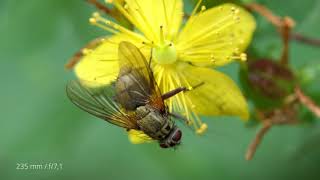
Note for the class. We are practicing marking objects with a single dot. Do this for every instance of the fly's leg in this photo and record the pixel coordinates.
(173, 92)
(178, 116)
(186, 121)
(178, 90)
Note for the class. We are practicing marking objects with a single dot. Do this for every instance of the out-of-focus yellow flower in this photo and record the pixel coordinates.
(181, 54)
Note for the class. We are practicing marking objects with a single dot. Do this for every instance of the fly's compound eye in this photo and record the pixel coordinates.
(177, 136)
(163, 145)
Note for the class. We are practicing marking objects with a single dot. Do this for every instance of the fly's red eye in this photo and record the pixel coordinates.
(177, 136)
(164, 145)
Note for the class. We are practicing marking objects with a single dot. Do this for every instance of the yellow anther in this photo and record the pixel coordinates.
(96, 15)
(203, 8)
(86, 51)
(196, 8)
(243, 56)
(126, 7)
(212, 58)
(235, 10)
(203, 128)
(93, 20)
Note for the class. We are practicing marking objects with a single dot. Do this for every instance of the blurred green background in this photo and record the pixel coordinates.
(39, 125)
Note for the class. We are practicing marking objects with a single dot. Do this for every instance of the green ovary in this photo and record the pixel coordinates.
(165, 54)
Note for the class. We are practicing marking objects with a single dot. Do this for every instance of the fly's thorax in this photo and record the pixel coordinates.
(154, 123)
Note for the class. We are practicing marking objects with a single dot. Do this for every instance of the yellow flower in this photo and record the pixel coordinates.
(181, 53)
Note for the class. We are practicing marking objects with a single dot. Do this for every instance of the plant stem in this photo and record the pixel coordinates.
(307, 101)
(255, 143)
(307, 40)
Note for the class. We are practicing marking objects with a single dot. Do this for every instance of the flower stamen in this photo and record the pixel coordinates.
(191, 21)
(169, 23)
(241, 57)
(132, 18)
(196, 8)
(229, 20)
(203, 128)
(94, 22)
(165, 14)
(145, 20)
(112, 27)
(209, 31)
(161, 35)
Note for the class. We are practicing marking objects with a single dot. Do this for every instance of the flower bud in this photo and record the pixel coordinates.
(270, 79)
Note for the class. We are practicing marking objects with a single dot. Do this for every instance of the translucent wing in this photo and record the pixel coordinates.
(131, 59)
(99, 103)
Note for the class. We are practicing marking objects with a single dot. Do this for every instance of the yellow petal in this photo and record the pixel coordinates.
(138, 137)
(100, 66)
(149, 15)
(216, 36)
(219, 95)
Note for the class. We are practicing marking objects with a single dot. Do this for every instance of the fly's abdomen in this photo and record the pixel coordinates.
(153, 123)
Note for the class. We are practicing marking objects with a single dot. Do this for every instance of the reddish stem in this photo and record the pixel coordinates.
(255, 143)
(307, 101)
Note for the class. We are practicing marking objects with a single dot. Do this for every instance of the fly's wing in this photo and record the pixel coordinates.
(99, 103)
(131, 58)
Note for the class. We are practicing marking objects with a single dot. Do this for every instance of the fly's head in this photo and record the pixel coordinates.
(173, 139)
